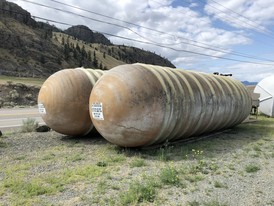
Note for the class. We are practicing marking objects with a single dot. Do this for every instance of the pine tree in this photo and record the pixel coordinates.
(63, 40)
(100, 65)
(66, 51)
(89, 56)
(95, 61)
(77, 47)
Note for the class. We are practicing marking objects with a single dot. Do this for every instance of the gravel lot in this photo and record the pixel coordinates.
(231, 168)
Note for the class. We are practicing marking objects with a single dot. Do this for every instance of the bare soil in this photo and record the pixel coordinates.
(230, 168)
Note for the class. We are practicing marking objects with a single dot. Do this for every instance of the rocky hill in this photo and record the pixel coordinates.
(18, 94)
(35, 49)
(84, 33)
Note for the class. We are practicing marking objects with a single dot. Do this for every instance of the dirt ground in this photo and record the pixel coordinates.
(233, 168)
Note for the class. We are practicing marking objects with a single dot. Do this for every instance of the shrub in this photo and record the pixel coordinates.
(218, 184)
(137, 163)
(252, 168)
(138, 192)
(169, 176)
(14, 94)
(29, 125)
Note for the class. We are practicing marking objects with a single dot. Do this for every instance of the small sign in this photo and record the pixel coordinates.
(41, 108)
(97, 111)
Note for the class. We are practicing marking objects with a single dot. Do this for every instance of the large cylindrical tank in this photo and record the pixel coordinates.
(139, 105)
(63, 100)
(266, 90)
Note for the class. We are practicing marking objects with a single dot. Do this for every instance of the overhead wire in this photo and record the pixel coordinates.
(237, 20)
(269, 44)
(254, 24)
(159, 45)
(215, 49)
(224, 51)
(97, 20)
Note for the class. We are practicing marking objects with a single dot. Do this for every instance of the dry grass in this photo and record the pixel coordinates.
(232, 168)
(108, 61)
(24, 80)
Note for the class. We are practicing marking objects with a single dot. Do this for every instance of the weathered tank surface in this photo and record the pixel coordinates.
(63, 100)
(139, 105)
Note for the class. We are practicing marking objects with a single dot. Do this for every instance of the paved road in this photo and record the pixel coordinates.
(11, 119)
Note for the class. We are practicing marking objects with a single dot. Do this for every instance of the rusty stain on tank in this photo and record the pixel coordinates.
(142, 104)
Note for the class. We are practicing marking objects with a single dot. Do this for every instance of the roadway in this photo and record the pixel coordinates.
(12, 118)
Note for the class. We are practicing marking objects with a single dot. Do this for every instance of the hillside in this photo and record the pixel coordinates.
(34, 49)
(84, 33)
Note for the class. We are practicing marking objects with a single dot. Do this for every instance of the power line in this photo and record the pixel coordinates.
(216, 49)
(255, 24)
(159, 45)
(162, 32)
(127, 22)
(96, 13)
(224, 50)
(93, 19)
(232, 20)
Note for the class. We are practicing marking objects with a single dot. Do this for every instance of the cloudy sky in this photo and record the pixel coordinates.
(226, 36)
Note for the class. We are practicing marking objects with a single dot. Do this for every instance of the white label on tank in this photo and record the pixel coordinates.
(97, 111)
(41, 108)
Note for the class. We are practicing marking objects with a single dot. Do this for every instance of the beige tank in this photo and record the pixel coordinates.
(64, 98)
(139, 105)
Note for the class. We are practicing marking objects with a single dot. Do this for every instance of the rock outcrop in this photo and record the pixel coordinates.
(84, 33)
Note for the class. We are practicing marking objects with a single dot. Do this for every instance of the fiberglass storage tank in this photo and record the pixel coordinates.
(139, 105)
(266, 90)
(63, 100)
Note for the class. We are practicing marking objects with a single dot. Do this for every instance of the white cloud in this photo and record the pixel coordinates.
(181, 26)
(193, 5)
(249, 72)
(254, 14)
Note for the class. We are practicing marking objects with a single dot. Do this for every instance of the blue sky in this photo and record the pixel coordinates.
(199, 35)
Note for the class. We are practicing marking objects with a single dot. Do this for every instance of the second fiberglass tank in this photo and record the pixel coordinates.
(138, 105)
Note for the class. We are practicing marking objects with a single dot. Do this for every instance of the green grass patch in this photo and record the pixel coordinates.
(116, 159)
(203, 166)
(49, 156)
(23, 80)
(219, 184)
(194, 178)
(139, 192)
(137, 163)
(252, 167)
(69, 176)
(81, 173)
(214, 203)
(257, 148)
(3, 144)
(164, 153)
(101, 164)
(28, 188)
(193, 203)
(22, 157)
(76, 157)
(170, 176)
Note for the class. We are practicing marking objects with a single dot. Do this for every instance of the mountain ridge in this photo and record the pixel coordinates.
(37, 49)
